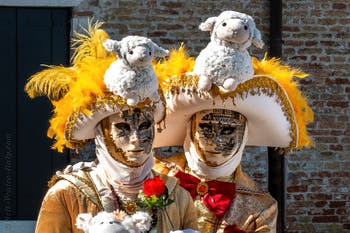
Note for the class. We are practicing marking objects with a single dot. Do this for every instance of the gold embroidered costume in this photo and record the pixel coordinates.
(250, 200)
(271, 111)
(76, 193)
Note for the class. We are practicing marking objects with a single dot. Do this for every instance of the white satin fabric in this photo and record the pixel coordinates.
(201, 169)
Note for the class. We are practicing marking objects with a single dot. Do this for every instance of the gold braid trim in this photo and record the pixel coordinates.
(94, 188)
(259, 85)
(88, 181)
(70, 142)
(90, 184)
(177, 83)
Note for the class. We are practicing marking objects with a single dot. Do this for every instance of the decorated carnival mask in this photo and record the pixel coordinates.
(217, 134)
(129, 136)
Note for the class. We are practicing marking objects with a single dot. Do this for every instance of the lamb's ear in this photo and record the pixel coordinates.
(111, 45)
(208, 25)
(83, 221)
(159, 51)
(257, 41)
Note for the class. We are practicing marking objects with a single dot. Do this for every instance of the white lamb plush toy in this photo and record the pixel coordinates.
(105, 222)
(132, 76)
(225, 61)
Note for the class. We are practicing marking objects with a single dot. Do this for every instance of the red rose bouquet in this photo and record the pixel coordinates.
(154, 194)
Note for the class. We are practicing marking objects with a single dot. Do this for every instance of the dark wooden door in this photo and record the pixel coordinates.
(29, 37)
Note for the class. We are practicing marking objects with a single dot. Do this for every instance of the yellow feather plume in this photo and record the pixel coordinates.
(53, 82)
(177, 64)
(74, 88)
(91, 61)
(90, 45)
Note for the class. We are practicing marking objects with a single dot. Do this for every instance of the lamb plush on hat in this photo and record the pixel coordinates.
(80, 95)
(276, 111)
(226, 77)
(132, 75)
(225, 61)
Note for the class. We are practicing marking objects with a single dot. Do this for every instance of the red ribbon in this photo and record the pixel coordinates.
(215, 195)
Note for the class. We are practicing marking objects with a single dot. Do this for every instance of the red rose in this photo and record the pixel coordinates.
(154, 186)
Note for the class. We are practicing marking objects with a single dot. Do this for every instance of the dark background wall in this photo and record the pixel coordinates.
(30, 37)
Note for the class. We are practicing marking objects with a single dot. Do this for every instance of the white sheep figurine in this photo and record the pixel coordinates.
(132, 76)
(225, 61)
(114, 222)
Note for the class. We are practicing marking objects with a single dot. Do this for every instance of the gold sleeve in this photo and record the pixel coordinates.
(54, 216)
(60, 208)
(260, 216)
(266, 221)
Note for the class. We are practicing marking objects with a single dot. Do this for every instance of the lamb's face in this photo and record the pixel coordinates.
(139, 55)
(234, 30)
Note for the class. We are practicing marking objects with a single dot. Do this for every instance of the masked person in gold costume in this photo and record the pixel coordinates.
(122, 178)
(214, 127)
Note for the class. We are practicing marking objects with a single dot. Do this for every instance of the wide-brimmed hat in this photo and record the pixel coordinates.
(276, 111)
(79, 94)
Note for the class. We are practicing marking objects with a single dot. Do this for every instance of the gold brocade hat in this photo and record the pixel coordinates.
(277, 113)
(79, 94)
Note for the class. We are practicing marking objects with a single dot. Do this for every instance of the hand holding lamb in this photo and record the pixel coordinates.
(115, 222)
(131, 76)
(225, 61)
